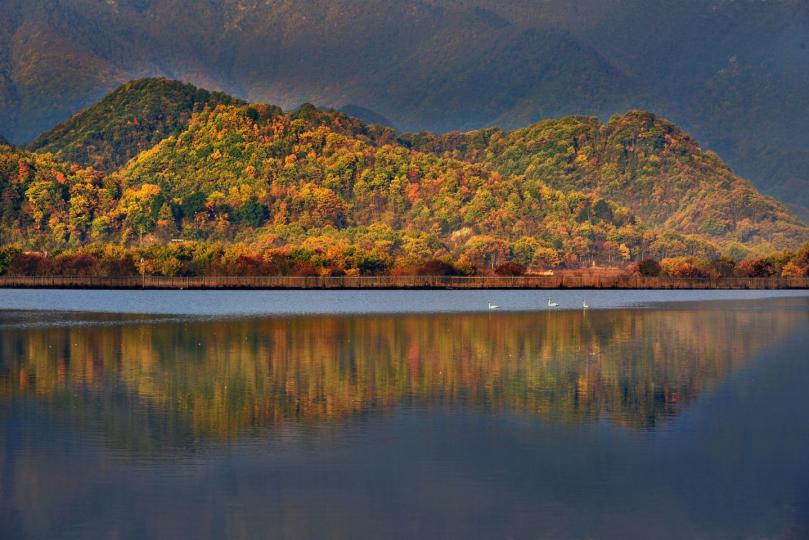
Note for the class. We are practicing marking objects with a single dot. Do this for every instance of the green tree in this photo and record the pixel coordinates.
(253, 213)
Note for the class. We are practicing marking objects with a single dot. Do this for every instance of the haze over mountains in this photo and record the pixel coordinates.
(734, 73)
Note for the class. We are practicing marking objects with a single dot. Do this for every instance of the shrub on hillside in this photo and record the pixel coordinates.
(6, 256)
(510, 269)
(684, 268)
(723, 266)
(117, 266)
(437, 267)
(77, 264)
(799, 265)
(791, 269)
(649, 268)
(30, 264)
(756, 268)
(245, 265)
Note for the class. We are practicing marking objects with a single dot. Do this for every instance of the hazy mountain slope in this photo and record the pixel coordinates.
(366, 115)
(131, 119)
(47, 71)
(507, 76)
(64, 55)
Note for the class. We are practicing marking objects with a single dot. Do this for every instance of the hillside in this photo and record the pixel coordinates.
(733, 73)
(318, 186)
(328, 183)
(325, 188)
(131, 119)
(640, 161)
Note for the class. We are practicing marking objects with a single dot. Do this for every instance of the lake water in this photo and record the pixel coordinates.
(259, 415)
(229, 303)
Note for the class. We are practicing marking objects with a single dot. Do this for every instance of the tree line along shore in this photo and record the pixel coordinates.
(562, 280)
(194, 265)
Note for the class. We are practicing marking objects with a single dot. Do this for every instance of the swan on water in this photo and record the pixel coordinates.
(551, 303)
(493, 306)
(585, 305)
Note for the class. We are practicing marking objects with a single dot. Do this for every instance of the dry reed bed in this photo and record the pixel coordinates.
(400, 282)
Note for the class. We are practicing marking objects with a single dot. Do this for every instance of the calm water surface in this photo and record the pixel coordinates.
(678, 420)
(213, 303)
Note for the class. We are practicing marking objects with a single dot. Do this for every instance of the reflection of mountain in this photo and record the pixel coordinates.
(163, 382)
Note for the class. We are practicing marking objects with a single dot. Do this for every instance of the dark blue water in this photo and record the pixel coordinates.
(683, 420)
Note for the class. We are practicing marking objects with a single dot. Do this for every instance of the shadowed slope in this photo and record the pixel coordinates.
(131, 119)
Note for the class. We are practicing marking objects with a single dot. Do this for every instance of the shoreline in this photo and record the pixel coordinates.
(368, 302)
(399, 283)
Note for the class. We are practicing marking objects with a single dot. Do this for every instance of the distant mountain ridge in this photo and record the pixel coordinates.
(366, 115)
(733, 73)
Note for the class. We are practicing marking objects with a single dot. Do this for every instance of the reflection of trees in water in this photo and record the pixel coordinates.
(172, 381)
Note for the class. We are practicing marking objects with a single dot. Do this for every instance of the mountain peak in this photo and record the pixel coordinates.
(131, 119)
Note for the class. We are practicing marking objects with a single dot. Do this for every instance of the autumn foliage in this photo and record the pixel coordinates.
(238, 189)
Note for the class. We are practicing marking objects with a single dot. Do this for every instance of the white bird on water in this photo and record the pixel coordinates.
(492, 307)
(585, 305)
(551, 303)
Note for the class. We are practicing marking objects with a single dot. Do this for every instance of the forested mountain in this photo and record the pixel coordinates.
(324, 190)
(734, 73)
(131, 119)
(636, 159)
(317, 184)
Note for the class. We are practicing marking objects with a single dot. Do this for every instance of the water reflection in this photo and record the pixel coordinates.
(150, 384)
(671, 422)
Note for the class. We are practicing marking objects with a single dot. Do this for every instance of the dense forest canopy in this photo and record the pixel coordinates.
(218, 185)
(133, 118)
(638, 160)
